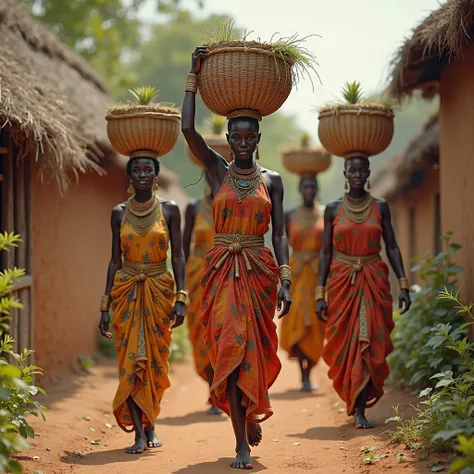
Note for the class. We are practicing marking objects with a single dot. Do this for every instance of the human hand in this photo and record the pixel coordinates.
(104, 325)
(177, 315)
(200, 53)
(322, 310)
(404, 301)
(284, 299)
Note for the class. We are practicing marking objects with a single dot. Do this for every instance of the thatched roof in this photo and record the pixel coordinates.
(391, 178)
(420, 60)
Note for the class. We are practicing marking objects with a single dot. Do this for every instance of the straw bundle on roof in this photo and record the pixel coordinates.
(420, 60)
(419, 153)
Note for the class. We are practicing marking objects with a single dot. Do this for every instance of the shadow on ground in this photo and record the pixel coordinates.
(190, 419)
(216, 467)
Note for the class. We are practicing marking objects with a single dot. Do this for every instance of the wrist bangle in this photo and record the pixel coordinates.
(285, 273)
(181, 297)
(191, 83)
(320, 293)
(404, 283)
(105, 303)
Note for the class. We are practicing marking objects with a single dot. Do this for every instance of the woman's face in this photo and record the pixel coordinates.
(308, 189)
(243, 138)
(357, 171)
(142, 174)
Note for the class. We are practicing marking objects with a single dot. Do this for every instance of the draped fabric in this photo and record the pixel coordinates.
(359, 313)
(141, 322)
(301, 327)
(239, 301)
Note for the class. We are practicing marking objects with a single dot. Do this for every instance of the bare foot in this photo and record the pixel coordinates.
(138, 447)
(214, 410)
(309, 387)
(254, 434)
(361, 422)
(151, 440)
(242, 460)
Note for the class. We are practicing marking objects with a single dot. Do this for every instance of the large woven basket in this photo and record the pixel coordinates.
(306, 161)
(143, 129)
(236, 77)
(218, 143)
(356, 130)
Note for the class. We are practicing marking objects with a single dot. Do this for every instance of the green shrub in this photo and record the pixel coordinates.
(17, 390)
(418, 347)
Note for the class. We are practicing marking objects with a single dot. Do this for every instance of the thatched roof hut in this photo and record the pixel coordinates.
(420, 60)
(422, 151)
(52, 101)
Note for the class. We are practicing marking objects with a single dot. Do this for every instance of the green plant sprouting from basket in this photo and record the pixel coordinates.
(305, 140)
(352, 92)
(217, 124)
(290, 49)
(144, 95)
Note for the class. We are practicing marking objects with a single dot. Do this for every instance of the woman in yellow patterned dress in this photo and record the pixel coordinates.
(302, 334)
(141, 293)
(198, 233)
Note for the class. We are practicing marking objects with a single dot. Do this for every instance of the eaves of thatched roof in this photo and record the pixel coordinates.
(440, 37)
(393, 177)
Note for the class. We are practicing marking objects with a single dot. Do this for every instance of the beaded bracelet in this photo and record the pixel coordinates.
(285, 273)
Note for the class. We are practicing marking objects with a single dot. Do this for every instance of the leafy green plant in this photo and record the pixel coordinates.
(217, 124)
(305, 140)
(144, 95)
(17, 389)
(419, 351)
(352, 92)
(179, 344)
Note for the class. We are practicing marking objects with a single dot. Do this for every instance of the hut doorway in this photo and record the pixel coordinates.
(15, 216)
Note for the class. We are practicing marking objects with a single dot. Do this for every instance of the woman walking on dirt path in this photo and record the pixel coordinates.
(359, 303)
(141, 293)
(302, 334)
(241, 277)
(198, 231)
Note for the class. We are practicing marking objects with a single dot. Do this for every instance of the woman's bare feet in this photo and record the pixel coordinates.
(214, 410)
(151, 439)
(139, 446)
(361, 422)
(254, 434)
(242, 460)
(308, 386)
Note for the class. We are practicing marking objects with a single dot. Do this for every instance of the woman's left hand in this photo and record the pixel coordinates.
(284, 300)
(177, 315)
(404, 301)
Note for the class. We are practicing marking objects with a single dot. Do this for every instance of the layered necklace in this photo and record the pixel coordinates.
(357, 209)
(244, 181)
(142, 216)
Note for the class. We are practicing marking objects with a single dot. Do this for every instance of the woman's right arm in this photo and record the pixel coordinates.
(115, 265)
(188, 228)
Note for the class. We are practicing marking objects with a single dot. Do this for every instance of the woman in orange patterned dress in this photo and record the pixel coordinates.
(359, 303)
(141, 293)
(302, 334)
(241, 276)
(198, 231)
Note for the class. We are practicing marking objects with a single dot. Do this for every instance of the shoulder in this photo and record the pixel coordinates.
(273, 178)
(118, 209)
(193, 205)
(331, 208)
(383, 206)
(170, 206)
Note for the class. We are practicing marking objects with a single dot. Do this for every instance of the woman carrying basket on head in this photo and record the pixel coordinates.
(241, 277)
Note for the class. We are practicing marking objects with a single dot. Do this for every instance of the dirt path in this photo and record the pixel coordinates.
(306, 434)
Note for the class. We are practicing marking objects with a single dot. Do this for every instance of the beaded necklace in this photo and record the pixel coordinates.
(243, 181)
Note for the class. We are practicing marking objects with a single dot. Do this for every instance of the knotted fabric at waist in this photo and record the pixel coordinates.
(141, 271)
(304, 257)
(357, 262)
(239, 244)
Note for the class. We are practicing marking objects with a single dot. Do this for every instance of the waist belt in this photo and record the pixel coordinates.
(357, 263)
(303, 258)
(238, 244)
(141, 271)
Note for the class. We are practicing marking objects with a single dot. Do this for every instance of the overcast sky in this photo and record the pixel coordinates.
(358, 39)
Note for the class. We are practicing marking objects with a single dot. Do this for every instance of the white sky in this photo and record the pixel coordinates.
(358, 39)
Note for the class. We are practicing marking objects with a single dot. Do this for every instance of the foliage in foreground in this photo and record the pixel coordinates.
(447, 420)
(419, 347)
(17, 390)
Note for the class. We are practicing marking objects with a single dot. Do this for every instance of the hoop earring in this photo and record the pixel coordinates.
(257, 156)
(368, 183)
(346, 185)
(130, 189)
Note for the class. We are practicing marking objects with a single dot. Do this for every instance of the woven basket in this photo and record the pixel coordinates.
(306, 161)
(356, 130)
(218, 143)
(238, 78)
(149, 130)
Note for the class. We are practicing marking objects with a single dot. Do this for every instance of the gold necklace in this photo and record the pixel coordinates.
(357, 213)
(142, 220)
(243, 182)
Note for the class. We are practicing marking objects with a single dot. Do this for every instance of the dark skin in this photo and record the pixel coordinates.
(308, 189)
(243, 139)
(357, 172)
(191, 212)
(142, 177)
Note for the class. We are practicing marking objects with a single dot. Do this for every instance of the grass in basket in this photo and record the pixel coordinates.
(144, 96)
(216, 124)
(352, 94)
(289, 49)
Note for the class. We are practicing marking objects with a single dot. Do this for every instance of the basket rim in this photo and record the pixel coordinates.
(145, 113)
(356, 109)
(241, 48)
